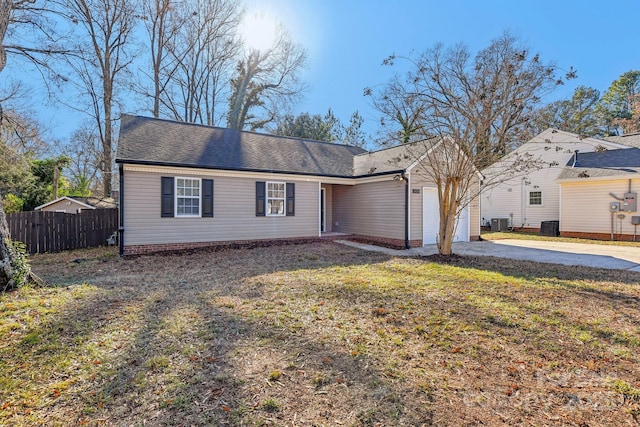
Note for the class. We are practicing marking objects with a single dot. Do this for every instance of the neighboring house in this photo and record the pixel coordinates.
(75, 205)
(187, 186)
(526, 200)
(631, 139)
(599, 195)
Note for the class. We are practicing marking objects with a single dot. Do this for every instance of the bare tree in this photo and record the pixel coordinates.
(198, 53)
(84, 151)
(461, 113)
(103, 54)
(161, 19)
(268, 81)
(14, 270)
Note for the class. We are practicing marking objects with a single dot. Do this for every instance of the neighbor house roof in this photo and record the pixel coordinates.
(62, 199)
(161, 142)
(98, 202)
(609, 163)
(86, 202)
(631, 139)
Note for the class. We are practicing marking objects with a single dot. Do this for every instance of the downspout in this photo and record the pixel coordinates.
(406, 211)
(121, 210)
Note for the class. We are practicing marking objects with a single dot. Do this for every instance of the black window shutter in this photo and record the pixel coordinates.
(207, 198)
(167, 197)
(261, 198)
(291, 198)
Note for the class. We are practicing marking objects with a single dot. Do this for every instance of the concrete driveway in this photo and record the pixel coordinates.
(600, 256)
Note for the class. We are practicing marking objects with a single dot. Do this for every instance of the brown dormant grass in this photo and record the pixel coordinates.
(318, 334)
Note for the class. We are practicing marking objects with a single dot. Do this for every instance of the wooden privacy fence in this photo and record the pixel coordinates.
(57, 231)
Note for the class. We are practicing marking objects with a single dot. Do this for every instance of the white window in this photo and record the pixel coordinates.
(535, 198)
(187, 197)
(276, 198)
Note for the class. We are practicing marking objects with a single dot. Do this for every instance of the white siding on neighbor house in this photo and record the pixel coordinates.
(370, 209)
(510, 199)
(234, 212)
(585, 206)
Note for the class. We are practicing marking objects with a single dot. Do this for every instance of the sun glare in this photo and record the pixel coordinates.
(258, 31)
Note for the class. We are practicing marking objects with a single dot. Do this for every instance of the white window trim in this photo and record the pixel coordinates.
(267, 198)
(541, 198)
(176, 197)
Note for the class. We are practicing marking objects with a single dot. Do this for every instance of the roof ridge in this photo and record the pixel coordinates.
(201, 125)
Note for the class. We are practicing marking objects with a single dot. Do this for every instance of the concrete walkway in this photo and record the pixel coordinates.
(600, 256)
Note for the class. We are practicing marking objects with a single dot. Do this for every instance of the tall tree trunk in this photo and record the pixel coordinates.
(448, 211)
(10, 277)
(6, 272)
(5, 255)
(107, 145)
(239, 104)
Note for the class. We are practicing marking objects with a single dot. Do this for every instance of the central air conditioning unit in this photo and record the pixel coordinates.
(499, 224)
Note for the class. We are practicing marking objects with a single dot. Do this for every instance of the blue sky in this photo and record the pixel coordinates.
(347, 41)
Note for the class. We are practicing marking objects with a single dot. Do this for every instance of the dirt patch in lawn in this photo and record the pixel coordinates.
(318, 334)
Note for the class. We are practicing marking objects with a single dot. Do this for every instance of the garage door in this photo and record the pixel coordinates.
(431, 219)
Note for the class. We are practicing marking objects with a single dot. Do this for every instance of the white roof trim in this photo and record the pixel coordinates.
(59, 199)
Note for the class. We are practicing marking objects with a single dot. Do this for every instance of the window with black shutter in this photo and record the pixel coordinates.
(291, 193)
(260, 198)
(167, 197)
(207, 198)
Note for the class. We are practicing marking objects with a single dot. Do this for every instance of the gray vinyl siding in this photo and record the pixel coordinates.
(328, 207)
(370, 209)
(234, 213)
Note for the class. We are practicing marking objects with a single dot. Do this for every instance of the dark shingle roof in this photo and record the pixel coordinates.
(98, 203)
(153, 141)
(631, 139)
(623, 162)
(391, 159)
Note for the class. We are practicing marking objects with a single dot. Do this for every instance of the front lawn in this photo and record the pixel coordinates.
(318, 334)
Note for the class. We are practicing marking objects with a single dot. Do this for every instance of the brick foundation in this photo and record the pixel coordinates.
(132, 250)
(596, 236)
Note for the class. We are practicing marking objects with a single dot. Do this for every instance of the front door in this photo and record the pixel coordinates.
(323, 202)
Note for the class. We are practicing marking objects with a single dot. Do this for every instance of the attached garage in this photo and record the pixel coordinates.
(431, 219)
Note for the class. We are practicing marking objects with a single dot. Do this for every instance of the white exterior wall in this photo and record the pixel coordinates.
(585, 206)
(510, 199)
(234, 210)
